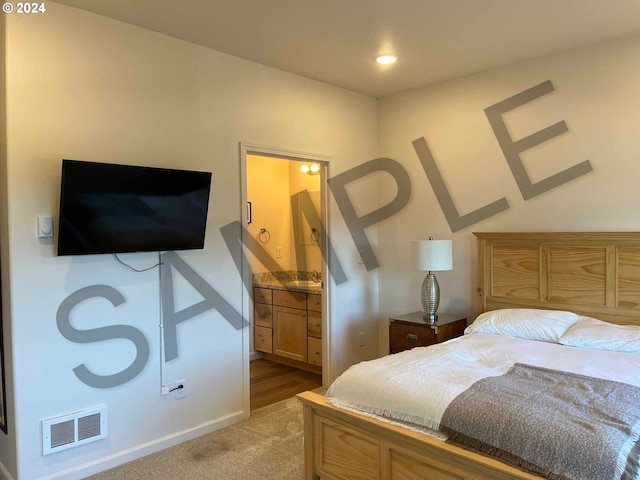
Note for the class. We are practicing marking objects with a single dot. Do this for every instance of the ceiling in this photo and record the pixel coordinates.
(335, 41)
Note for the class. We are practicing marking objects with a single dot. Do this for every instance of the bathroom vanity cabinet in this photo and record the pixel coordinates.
(288, 325)
(314, 329)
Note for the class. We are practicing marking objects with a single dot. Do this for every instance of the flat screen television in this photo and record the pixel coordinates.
(109, 208)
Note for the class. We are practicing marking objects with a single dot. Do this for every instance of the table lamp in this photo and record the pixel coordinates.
(429, 256)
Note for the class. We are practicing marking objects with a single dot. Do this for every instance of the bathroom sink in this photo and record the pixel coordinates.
(303, 283)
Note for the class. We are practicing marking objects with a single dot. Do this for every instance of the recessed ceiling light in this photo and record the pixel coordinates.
(386, 59)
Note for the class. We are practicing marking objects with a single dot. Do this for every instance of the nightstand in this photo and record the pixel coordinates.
(411, 330)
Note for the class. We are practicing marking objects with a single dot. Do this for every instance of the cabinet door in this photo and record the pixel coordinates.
(290, 333)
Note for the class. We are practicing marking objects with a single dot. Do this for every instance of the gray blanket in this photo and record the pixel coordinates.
(554, 424)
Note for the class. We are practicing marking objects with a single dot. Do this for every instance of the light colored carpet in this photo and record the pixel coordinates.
(268, 445)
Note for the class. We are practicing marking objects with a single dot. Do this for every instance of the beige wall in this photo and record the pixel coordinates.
(596, 94)
(268, 191)
(82, 86)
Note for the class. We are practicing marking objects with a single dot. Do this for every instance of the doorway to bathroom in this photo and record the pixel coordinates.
(287, 305)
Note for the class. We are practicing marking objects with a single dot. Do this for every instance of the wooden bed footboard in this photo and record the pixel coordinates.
(596, 274)
(339, 444)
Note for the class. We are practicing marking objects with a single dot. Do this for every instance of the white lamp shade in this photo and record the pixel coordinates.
(432, 255)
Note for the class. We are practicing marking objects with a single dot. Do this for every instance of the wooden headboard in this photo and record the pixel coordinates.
(596, 274)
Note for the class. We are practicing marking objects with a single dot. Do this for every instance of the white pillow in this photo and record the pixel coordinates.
(528, 323)
(598, 335)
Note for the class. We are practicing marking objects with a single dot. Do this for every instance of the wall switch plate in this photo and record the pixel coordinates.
(362, 339)
(179, 392)
(45, 227)
(278, 252)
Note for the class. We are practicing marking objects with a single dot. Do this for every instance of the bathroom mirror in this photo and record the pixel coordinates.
(306, 217)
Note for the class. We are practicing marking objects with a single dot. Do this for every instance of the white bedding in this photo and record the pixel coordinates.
(417, 385)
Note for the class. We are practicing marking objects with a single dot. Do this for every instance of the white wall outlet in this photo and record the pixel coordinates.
(179, 392)
(278, 252)
(362, 339)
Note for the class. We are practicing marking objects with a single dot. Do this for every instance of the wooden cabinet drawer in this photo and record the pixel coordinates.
(314, 351)
(285, 298)
(314, 302)
(263, 339)
(288, 324)
(314, 324)
(262, 295)
(262, 315)
(403, 336)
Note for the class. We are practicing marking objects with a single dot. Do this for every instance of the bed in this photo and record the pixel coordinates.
(571, 275)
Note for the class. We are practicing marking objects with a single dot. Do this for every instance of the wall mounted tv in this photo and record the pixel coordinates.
(109, 208)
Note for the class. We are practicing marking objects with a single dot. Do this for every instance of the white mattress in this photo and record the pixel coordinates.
(414, 387)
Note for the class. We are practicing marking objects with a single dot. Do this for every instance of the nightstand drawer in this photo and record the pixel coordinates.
(410, 330)
(403, 336)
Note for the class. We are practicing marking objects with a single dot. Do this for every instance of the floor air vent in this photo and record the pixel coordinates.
(74, 429)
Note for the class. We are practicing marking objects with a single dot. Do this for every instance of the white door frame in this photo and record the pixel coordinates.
(247, 311)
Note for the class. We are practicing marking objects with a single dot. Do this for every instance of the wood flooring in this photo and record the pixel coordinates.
(272, 382)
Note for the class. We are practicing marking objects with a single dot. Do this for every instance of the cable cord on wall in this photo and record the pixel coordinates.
(164, 390)
(115, 255)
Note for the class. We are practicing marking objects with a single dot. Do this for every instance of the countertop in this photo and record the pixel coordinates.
(278, 285)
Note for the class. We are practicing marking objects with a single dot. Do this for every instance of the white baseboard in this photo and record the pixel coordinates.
(120, 458)
(254, 356)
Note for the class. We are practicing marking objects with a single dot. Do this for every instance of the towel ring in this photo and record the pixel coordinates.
(264, 236)
(315, 235)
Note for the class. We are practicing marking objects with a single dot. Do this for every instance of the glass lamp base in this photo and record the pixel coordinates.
(430, 296)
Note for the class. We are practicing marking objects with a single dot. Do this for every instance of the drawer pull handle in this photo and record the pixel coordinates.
(412, 337)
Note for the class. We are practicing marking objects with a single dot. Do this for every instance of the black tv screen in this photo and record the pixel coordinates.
(109, 208)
